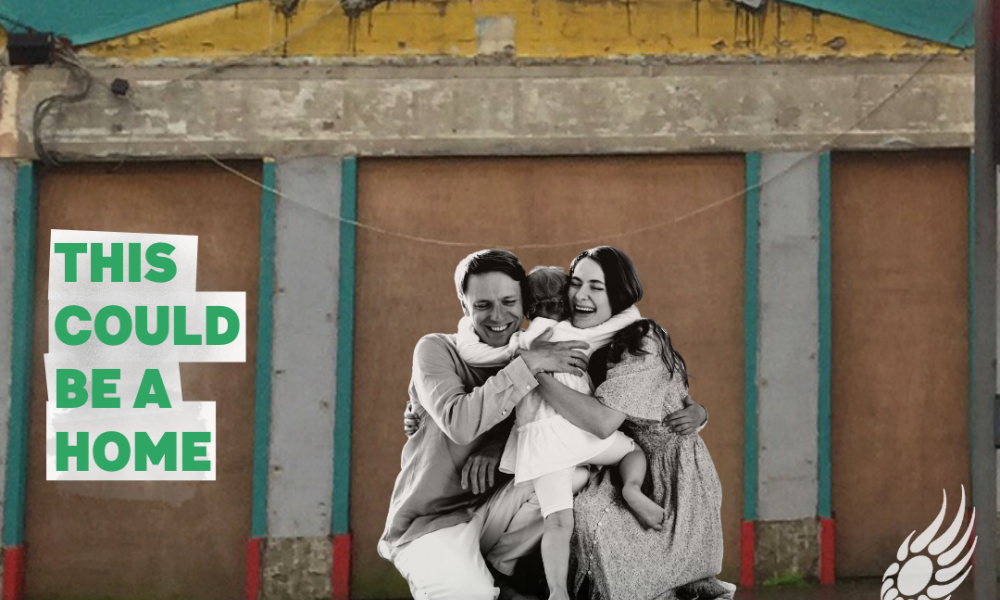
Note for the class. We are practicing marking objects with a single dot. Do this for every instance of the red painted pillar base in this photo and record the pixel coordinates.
(826, 552)
(255, 552)
(341, 573)
(748, 543)
(13, 573)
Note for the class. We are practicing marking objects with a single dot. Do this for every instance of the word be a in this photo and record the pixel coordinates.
(72, 393)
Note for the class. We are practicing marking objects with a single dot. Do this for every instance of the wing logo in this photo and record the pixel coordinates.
(934, 574)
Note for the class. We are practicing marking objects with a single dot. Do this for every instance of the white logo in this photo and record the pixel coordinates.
(909, 577)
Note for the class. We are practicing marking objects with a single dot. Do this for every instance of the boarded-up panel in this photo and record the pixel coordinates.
(692, 271)
(900, 412)
(152, 540)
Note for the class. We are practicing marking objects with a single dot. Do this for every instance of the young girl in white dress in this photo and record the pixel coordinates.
(544, 448)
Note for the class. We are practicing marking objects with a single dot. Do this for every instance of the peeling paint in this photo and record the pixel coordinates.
(544, 29)
(784, 546)
(495, 35)
(297, 569)
(9, 93)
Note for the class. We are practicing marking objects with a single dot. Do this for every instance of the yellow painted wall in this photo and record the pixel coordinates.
(523, 28)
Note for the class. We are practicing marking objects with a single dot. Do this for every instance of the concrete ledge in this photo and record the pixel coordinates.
(786, 545)
(297, 568)
(380, 110)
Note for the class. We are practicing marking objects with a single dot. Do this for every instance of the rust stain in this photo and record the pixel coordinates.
(353, 20)
(777, 23)
(286, 7)
(284, 44)
(750, 23)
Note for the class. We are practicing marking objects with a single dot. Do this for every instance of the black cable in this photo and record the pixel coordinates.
(82, 77)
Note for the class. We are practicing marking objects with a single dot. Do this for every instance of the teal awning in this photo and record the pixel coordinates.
(946, 21)
(85, 22)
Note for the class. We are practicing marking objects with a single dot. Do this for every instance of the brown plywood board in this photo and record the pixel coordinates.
(152, 539)
(899, 369)
(692, 271)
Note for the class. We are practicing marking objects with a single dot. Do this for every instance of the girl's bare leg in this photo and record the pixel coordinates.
(633, 471)
(632, 467)
(555, 552)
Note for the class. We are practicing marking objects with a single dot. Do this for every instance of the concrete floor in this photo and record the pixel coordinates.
(858, 589)
(861, 589)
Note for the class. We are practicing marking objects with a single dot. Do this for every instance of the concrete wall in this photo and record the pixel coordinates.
(297, 559)
(300, 485)
(462, 110)
(788, 376)
(789, 336)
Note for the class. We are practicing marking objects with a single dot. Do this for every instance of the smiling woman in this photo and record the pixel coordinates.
(588, 294)
(595, 293)
(616, 555)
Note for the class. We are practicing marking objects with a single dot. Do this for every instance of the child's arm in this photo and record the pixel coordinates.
(479, 354)
(538, 326)
(600, 335)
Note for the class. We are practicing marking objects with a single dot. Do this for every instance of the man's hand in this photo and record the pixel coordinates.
(481, 467)
(555, 357)
(411, 420)
(688, 419)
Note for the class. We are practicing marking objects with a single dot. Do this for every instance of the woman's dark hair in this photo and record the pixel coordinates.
(621, 280)
(629, 339)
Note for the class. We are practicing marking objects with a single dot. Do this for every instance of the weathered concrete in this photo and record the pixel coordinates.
(789, 336)
(307, 266)
(297, 569)
(8, 195)
(783, 546)
(595, 108)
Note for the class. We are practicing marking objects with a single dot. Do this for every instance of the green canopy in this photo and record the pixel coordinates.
(85, 22)
(946, 21)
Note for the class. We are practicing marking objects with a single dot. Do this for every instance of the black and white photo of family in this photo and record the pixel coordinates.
(560, 461)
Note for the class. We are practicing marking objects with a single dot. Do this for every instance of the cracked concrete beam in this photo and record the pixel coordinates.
(504, 110)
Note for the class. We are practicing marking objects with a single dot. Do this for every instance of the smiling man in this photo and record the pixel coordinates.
(445, 514)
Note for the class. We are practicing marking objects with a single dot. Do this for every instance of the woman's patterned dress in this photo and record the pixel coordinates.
(613, 556)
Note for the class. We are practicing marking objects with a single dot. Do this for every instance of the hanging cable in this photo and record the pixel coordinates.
(81, 79)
